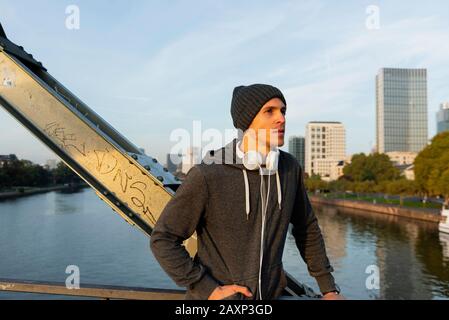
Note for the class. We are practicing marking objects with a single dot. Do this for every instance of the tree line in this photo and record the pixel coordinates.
(375, 173)
(24, 173)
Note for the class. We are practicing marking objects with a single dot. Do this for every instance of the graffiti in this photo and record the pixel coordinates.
(106, 162)
(140, 202)
(123, 179)
(66, 140)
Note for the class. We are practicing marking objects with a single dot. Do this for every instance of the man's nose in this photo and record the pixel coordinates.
(281, 118)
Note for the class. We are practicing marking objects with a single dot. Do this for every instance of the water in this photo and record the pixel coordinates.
(41, 235)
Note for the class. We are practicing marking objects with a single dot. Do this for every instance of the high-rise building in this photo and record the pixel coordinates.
(325, 149)
(51, 164)
(401, 110)
(190, 159)
(443, 118)
(174, 162)
(296, 146)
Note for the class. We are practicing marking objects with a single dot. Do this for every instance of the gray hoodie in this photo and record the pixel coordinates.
(222, 201)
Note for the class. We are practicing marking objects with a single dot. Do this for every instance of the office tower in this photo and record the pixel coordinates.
(401, 110)
(174, 162)
(296, 146)
(190, 159)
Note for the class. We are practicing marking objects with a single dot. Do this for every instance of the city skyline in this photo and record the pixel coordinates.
(157, 90)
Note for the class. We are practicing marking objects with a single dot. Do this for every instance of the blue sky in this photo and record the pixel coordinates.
(150, 67)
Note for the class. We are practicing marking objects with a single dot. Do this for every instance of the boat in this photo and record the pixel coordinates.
(444, 224)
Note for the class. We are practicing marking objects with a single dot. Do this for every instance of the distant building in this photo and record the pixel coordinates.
(7, 159)
(406, 170)
(409, 172)
(296, 147)
(51, 164)
(401, 110)
(190, 159)
(443, 118)
(325, 149)
(402, 158)
(174, 162)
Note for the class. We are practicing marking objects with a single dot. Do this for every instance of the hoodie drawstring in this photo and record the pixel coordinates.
(278, 183)
(247, 195)
(248, 209)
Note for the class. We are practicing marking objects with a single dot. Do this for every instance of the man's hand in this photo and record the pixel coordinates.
(222, 292)
(333, 296)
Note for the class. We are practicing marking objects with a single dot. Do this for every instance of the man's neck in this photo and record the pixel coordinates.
(247, 145)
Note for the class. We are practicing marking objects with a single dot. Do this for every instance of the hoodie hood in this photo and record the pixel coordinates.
(226, 155)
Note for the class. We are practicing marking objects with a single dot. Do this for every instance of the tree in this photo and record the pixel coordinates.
(340, 185)
(402, 187)
(432, 166)
(63, 174)
(315, 183)
(374, 167)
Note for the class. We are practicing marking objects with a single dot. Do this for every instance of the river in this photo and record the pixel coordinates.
(374, 256)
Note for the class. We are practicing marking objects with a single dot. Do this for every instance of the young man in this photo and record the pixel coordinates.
(240, 201)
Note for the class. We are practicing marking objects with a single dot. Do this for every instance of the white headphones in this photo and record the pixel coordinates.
(252, 160)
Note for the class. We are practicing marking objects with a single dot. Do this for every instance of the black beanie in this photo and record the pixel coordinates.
(248, 100)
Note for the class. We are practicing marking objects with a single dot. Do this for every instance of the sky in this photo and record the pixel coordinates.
(152, 67)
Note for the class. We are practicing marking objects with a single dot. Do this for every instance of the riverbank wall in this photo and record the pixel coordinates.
(33, 191)
(430, 215)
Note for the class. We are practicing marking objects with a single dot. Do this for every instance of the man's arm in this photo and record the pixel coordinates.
(309, 239)
(177, 222)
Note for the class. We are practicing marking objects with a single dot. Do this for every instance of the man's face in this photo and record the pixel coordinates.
(269, 124)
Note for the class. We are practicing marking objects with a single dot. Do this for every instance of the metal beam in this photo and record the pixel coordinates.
(91, 291)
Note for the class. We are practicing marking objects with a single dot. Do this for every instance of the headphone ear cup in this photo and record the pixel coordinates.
(252, 160)
(272, 160)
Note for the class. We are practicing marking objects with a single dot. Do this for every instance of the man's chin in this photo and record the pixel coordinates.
(281, 142)
(277, 144)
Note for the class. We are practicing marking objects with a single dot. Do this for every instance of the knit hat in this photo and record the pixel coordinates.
(248, 100)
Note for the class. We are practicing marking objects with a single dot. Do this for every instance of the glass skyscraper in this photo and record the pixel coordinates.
(443, 118)
(401, 110)
(296, 146)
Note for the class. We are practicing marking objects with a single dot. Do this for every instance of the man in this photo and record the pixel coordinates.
(241, 224)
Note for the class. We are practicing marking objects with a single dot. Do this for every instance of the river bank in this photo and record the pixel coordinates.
(430, 215)
(32, 191)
